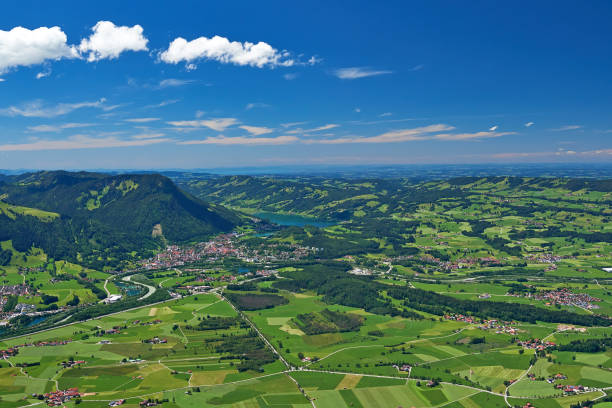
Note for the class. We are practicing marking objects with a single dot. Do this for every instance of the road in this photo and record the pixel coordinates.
(265, 340)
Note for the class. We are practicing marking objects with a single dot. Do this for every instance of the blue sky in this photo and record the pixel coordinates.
(191, 84)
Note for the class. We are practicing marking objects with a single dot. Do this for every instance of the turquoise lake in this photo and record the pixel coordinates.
(292, 220)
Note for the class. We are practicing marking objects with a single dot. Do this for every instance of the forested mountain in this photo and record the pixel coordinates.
(99, 219)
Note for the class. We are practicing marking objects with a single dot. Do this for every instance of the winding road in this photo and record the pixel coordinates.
(151, 289)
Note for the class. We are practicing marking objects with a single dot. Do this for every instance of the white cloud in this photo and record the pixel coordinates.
(256, 130)
(23, 47)
(241, 140)
(256, 105)
(384, 115)
(529, 124)
(58, 128)
(290, 77)
(317, 129)
(568, 127)
(199, 113)
(493, 128)
(109, 40)
(357, 110)
(81, 142)
(218, 124)
(358, 72)
(36, 109)
(141, 120)
(225, 51)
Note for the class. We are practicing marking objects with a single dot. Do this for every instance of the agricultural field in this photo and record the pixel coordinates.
(151, 352)
(465, 293)
(177, 353)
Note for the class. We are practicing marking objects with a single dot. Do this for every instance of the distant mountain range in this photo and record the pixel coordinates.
(421, 172)
(100, 219)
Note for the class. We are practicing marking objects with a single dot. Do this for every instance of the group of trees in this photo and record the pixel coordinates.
(328, 321)
(587, 345)
(249, 349)
(5, 256)
(253, 301)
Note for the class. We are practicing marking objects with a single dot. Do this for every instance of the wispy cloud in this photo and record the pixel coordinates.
(290, 77)
(148, 136)
(173, 82)
(553, 154)
(218, 124)
(256, 105)
(493, 128)
(358, 72)
(568, 127)
(386, 114)
(403, 135)
(472, 136)
(256, 130)
(141, 120)
(417, 67)
(58, 128)
(241, 140)
(81, 142)
(37, 109)
(317, 129)
(293, 124)
(162, 104)
(529, 124)
(431, 132)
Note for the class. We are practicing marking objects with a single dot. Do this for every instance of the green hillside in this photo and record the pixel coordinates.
(100, 220)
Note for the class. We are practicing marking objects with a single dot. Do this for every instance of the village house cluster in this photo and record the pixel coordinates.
(20, 308)
(57, 398)
(536, 344)
(14, 350)
(499, 326)
(565, 297)
(225, 245)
